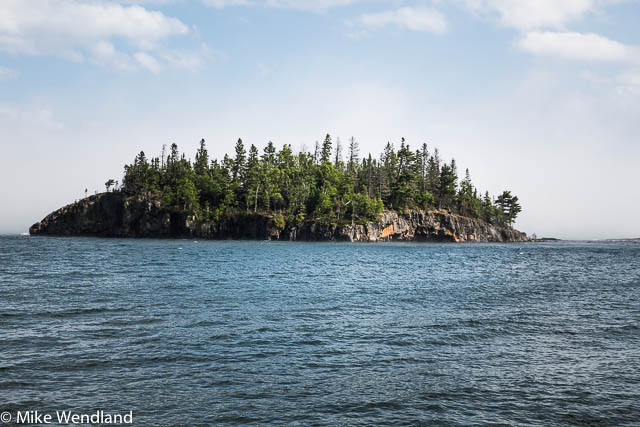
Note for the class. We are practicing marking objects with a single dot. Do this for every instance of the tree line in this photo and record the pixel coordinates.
(332, 184)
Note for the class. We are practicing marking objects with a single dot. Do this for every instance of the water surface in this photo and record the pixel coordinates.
(187, 332)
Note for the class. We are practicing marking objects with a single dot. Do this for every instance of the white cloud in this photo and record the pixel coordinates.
(36, 25)
(150, 1)
(535, 14)
(308, 4)
(107, 33)
(315, 5)
(406, 18)
(226, 3)
(148, 62)
(191, 60)
(8, 73)
(576, 46)
(104, 54)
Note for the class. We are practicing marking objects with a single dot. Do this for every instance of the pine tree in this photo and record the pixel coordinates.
(404, 185)
(433, 172)
(447, 187)
(201, 165)
(175, 155)
(338, 154)
(487, 208)
(326, 150)
(239, 164)
(253, 179)
(354, 152)
(316, 154)
(508, 206)
(269, 155)
(316, 186)
(467, 201)
(424, 164)
(388, 173)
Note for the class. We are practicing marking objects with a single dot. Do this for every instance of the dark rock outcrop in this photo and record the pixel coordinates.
(114, 215)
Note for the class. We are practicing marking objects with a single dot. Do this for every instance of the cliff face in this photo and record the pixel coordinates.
(113, 215)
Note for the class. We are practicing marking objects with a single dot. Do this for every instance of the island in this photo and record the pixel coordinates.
(327, 194)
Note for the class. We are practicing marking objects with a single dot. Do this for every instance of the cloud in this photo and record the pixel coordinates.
(105, 33)
(8, 73)
(148, 62)
(406, 18)
(219, 4)
(309, 4)
(576, 46)
(150, 1)
(535, 14)
(314, 5)
(104, 54)
(34, 26)
(191, 60)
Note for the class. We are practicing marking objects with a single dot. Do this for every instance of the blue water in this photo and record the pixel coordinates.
(202, 333)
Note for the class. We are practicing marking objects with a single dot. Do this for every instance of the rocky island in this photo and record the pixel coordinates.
(405, 195)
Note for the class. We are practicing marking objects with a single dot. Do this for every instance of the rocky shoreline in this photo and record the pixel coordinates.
(115, 215)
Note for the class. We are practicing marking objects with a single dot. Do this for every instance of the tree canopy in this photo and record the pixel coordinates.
(317, 186)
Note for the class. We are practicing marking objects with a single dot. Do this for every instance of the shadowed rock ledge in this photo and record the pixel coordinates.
(114, 215)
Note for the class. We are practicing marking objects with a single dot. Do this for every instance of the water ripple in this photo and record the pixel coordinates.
(200, 333)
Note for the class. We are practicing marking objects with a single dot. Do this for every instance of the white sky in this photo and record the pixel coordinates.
(540, 97)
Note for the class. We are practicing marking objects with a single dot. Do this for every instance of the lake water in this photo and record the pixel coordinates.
(198, 333)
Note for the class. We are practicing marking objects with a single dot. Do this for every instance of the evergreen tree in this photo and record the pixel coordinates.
(201, 165)
(269, 155)
(270, 192)
(326, 150)
(315, 186)
(388, 173)
(403, 185)
(509, 208)
(433, 172)
(468, 203)
(239, 164)
(487, 208)
(447, 187)
(338, 157)
(175, 155)
(354, 152)
(253, 179)
(316, 154)
(423, 155)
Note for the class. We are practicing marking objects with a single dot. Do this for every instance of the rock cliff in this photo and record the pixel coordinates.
(114, 215)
